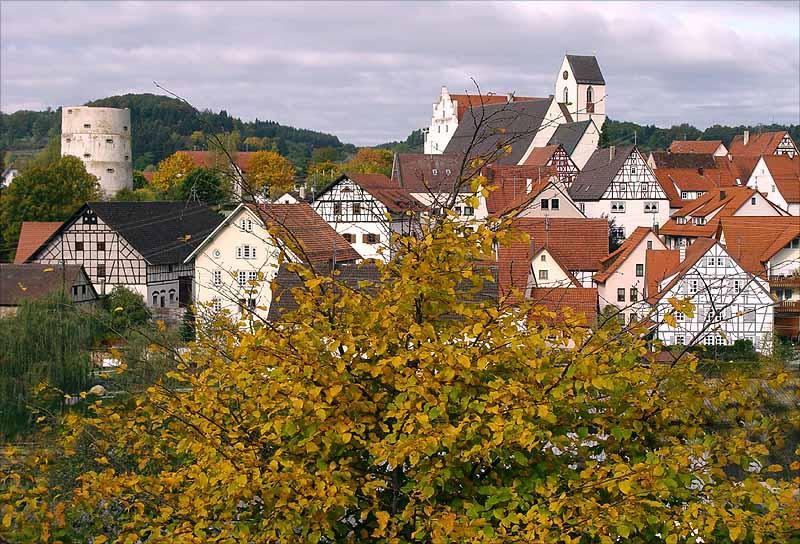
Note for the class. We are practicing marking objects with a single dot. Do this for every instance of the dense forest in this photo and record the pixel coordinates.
(162, 125)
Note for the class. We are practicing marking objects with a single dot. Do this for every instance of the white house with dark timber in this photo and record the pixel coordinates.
(137, 245)
(729, 303)
(617, 184)
(367, 209)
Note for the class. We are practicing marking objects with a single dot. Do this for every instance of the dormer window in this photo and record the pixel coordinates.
(680, 220)
(700, 220)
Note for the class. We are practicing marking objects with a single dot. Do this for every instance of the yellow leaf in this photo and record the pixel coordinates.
(7, 520)
(383, 519)
(119, 309)
(735, 532)
(99, 539)
(625, 487)
(48, 269)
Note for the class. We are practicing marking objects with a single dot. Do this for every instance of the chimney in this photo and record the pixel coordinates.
(528, 185)
(722, 195)
(682, 252)
(302, 192)
(746, 137)
(509, 97)
(700, 170)
(611, 152)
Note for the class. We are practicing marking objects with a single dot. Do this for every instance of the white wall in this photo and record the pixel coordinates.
(443, 124)
(577, 96)
(101, 138)
(586, 146)
(435, 199)
(625, 277)
(567, 207)
(761, 180)
(556, 276)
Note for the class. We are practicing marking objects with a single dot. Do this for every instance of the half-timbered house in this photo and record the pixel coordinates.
(764, 143)
(138, 245)
(529, 191)
(367, 209)
(617, 184)
(579, 139)
(729, 303)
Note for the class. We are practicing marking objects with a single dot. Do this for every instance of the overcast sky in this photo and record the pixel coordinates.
(369, 72)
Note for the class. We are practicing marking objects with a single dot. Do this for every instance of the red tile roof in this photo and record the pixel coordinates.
(614, 261)
(758, 144)
(396, 199)
(578, 244)
(732, 168)
(466, 101)
(510, 185)
(786, 173)
(658, 265)
(299, 225)
(725, 202)
(754, 240)
(675, 180)
(693, 254)
(33, 235)
(540, 156)
(695, 146)
(579, 300)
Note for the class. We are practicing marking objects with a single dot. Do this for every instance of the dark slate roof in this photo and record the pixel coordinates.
(514, 124)
(162, 232)
(364, 276)
(415, 172)
(569, 134)
(598, 173)
(585, 69)
(20, 282)
(665, 159)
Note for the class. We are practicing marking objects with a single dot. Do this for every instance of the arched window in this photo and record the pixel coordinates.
(566, 95)
(155, 298)
(589, 95)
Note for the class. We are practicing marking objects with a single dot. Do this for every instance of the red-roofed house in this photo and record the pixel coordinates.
(234, 264)
(778, 178)
(580, 301)
(765, 143)
(684, 184)
(356, 206)
(704, 147)
(700, 217)
(729, 302)
(32, 235)
(551, 259)
(528, 191)
(621, 281)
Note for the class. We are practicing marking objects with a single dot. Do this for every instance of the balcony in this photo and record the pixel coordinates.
(784, 281)
(787, 307)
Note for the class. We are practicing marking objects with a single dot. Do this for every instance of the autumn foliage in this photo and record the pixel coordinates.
(413, 410)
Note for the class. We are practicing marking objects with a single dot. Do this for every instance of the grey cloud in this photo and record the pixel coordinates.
(368, 72)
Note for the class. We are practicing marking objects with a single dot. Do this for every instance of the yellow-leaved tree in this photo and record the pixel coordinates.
(407, 404)
(370, 160)
(270, 171)
(171, 171)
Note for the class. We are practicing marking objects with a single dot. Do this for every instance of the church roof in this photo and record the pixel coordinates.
(598, 173)
(569, 134)
(466, 101)
(585, 69)
(514, 124)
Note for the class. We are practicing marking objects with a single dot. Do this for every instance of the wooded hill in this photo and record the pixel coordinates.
(163, 125)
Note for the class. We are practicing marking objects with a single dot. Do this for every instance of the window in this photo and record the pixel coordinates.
(371, 238)
(337, 208)
(69, 111)
(543, 258)
(543, 274)
(110, 170)
(87, 125)
(722, 261)
(634, 294)
(241, 278)
(347, 190)
(351, 238)
(640, 270)
(649, 244)
(545, 204)
(679, 340)
(708, 340)
(710, 261)
(447, 128)
(252, 275)
(589, 95)
(216, 277)
(125, 128)
(216, 304)
(127, 157)
(680, 317)
(69, 140)
(772, 190)
(356, 208)
(651, 207)
(101, 270)
(435, 172)
(246, 225)
(737, 286)
(109, 141)
(554, 204)
(633, 169)
(172, 295)
(684, 195)
(618, 233)
(83, 289)
(749, 316)
(155, 298)
(75, 290)
(446, 171)
(457, 209)
(87, 155)
(101, 246)
(794, 244)
(78, 246)
(784, 294)
(719, 340)
(693, 286)
(753, 201)
(621, 294)
(617, 206)
(566, 94)
(680, 220)
(469, 211)
(700, 220)
(582, 207)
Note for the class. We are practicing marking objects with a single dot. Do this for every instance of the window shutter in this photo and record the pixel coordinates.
(239, 252)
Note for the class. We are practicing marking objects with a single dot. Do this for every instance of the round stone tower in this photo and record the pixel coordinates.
(101, 138)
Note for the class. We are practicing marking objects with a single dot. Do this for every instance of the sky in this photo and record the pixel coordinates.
(370, 72)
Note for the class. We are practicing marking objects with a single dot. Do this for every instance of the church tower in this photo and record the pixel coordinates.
(581, 89)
